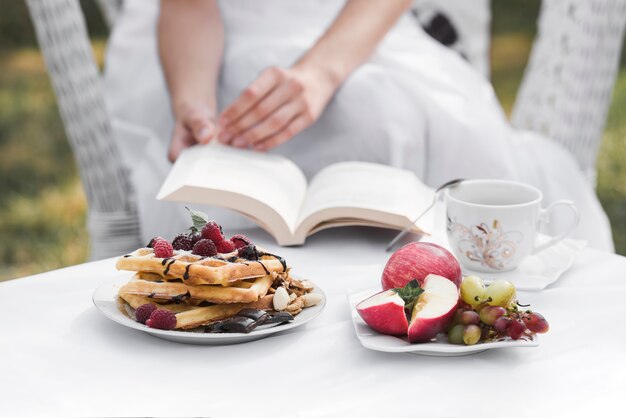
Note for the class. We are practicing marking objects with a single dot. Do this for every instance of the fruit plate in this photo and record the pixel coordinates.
(105, 299)
(379, 342)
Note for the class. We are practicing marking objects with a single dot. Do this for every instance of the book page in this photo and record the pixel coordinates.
(374, 192)
(224, 176)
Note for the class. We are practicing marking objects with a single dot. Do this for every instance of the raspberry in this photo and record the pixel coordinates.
(249, 252)
(153, 240)
(143, 312)
(213, 232)
(225, 247)
(162, 248)
(182, 242)
(162, 319)
(240, 240)
(204, 248)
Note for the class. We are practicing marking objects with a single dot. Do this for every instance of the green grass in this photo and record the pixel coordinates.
(42, 205)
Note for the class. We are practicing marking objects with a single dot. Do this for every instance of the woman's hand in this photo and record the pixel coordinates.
(280, 103)
(191, 38)
(195, 124)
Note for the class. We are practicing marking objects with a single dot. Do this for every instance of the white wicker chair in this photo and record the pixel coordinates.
(567, 86)
(565, 94)
(112, 219)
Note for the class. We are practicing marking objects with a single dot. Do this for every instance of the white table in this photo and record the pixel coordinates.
(59, 356)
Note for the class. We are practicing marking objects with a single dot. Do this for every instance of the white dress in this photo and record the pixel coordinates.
(414, 104)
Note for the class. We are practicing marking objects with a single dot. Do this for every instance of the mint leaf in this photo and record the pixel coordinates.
(409, 293)
(198, 218)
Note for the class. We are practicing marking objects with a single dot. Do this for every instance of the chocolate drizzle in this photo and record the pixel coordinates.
(264, 268)
(186, 275)
(279, 258)
(179, 298)
(165, 260)
(167, 268)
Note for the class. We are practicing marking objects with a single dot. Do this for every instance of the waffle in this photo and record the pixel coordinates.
(242, 292)
(193, 316)
(196, 270)
(199, 316)
(202, 290)
(135, 301)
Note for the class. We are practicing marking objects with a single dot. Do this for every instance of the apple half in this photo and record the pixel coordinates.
(384, 312)
(434, 309)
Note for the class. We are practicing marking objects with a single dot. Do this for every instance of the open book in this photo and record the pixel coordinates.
(273, 192)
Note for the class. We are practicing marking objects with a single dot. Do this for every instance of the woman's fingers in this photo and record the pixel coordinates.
(200, 124)
(250, 96)
(181, 139)
(263, 109)
(271, 125)
(296, 125)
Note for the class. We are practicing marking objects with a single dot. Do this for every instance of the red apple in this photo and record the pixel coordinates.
(384, 312)
(416, 261)
(434, 309)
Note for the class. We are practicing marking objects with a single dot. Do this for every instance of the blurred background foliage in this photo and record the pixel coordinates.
(42, 204)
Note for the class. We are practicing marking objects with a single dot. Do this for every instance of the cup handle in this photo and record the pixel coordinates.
(544, 217)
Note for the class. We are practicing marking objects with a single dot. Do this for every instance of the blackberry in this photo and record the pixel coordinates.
(248, 252)
(195, 237)
(183, 242)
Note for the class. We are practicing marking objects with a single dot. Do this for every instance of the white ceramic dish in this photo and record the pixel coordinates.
(105, 299)
(378, 342)
(537, 271)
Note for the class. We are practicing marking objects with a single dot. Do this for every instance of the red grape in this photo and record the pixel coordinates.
(516, 329)
(489, 314)
(536, 323)
(470, 318)
(502, 324)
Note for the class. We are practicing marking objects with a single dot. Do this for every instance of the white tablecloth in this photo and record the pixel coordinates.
(59, 356)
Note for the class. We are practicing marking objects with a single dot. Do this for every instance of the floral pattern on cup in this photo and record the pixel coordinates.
(490, 246)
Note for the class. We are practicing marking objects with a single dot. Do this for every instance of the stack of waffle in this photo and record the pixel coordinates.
(203, 290)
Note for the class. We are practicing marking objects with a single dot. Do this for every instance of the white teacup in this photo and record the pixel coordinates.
(493, 225)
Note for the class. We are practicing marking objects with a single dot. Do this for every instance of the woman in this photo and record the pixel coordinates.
(319, 81)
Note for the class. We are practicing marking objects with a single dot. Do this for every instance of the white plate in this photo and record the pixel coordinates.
(105, 299)
(387, 343)
(539, 270)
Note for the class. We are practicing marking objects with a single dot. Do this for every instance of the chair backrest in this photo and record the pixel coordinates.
(63, 39)
(568, 82)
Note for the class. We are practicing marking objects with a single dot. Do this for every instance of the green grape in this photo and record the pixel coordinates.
(489, 314)
(472, 290)
(500, 293)
(455, 335)
(471, 334)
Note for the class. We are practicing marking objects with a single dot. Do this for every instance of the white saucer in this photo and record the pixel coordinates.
(441, 347)
(105, 299)
(539, 270)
